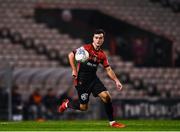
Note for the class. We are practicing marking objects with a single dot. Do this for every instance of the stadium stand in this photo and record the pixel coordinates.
(140, 13)
(33, 48)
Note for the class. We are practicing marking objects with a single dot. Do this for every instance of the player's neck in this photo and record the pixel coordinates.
(96, 47)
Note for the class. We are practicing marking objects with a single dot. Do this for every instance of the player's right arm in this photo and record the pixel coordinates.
(71, 57)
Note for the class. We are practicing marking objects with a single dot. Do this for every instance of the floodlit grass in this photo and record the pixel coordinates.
(93, 125)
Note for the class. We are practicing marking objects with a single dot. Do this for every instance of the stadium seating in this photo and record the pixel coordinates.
(17, 17)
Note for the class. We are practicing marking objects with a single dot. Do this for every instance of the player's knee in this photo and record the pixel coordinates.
(106, 98)
(83, 107)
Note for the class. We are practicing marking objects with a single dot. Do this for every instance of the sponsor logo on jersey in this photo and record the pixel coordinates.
(91, 64)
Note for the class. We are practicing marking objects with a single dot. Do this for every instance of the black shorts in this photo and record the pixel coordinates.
(86, 87)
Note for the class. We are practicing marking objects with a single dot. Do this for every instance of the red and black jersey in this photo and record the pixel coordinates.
(96, 57)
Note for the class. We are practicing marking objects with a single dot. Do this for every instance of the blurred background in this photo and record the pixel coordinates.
(142, 44)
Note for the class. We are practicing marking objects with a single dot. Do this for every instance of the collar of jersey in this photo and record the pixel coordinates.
(95, 49)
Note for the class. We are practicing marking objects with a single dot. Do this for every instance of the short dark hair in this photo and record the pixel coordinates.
(99, 31)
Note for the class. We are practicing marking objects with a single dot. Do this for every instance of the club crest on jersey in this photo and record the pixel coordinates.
(84, 96)
(95, 59)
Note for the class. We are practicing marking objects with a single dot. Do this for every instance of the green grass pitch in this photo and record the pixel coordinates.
(93, 125)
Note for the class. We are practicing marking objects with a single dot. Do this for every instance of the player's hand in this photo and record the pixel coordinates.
(118, 85)
(74, 74)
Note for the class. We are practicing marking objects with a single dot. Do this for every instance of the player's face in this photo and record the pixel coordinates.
(98, 39)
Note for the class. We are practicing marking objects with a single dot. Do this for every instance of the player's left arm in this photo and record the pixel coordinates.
(113, 76)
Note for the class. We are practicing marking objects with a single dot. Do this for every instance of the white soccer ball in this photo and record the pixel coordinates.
(81, 55)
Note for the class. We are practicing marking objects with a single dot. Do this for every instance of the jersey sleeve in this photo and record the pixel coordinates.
(105, 62)
(74, 51)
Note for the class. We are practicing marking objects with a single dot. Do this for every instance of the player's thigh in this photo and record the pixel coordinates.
(105, 96)
(83, 94)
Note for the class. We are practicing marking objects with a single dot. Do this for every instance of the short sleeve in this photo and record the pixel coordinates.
(74, 51)
(105, 62)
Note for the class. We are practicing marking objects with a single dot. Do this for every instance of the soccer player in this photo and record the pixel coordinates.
(87, 82)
